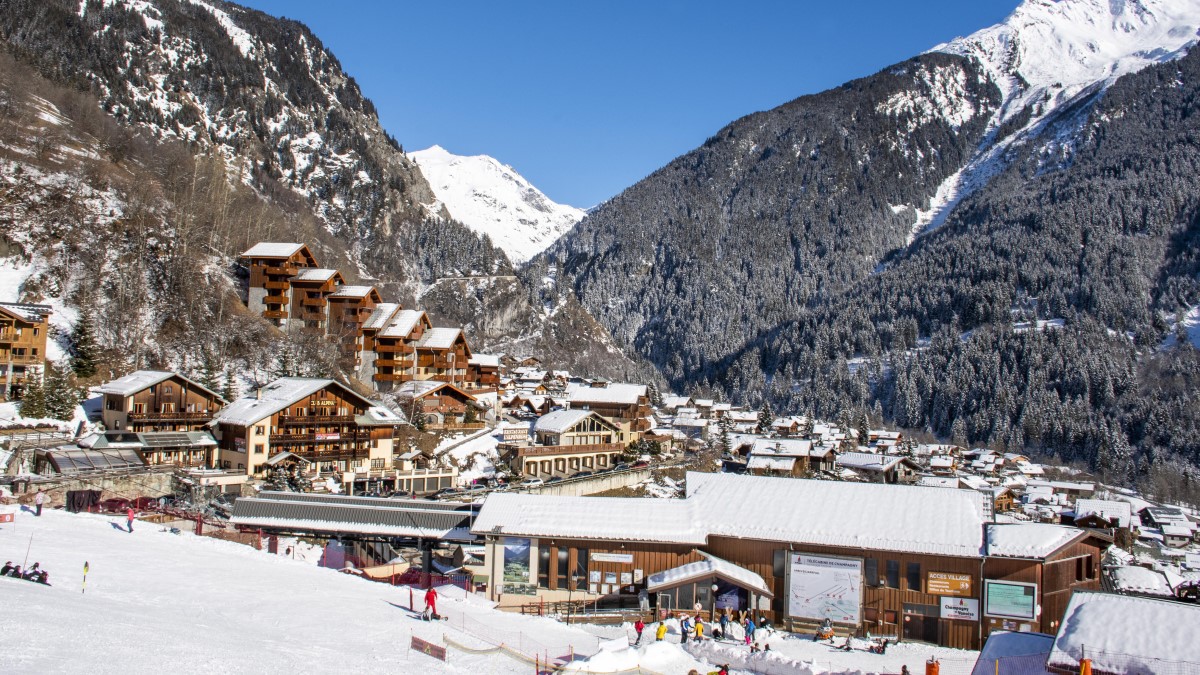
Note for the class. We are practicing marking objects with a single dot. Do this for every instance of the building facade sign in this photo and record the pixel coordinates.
(328, 437)
(611, 557)
(825, 587)
(324, 403)
(947, 583)
(963, 609)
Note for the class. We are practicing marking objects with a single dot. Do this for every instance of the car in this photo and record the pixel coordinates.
(621, 467)
(640, 464)
(555, 479)
(447, 492)
(400, 494)
(477, 488)
(583, 474)
(532, 482)
(501, 487)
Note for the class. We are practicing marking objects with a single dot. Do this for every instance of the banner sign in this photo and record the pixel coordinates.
(6, 517)
(612, 557)
(946, 583)
(964, 609)
(428, 648)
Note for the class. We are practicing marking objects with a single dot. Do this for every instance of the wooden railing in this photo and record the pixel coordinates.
(289, 270)
(168, 416)
(269, 314)
(316, 419)
(544, 450)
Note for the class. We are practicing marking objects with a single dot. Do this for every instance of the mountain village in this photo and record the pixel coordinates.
(588, 500)
(279, 396)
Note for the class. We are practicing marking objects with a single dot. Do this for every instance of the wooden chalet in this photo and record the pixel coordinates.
(483, 372)
(440, 405)
(880, 468)
(919, 564)
(788, 457)
(567, 442)
(389, 352)
(443, 354)
(349, 309)
(311, 288)
(272, 265)
(323, 422)
(23, 330)
(158, 400)
(625, 405)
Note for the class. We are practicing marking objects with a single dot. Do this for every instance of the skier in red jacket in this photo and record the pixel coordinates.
(129, 514)
(431, 603)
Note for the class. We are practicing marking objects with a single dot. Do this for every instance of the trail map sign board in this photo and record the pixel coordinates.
(824, 587)
(1010, 599)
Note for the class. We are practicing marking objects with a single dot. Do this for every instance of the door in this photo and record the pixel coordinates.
(921, 623)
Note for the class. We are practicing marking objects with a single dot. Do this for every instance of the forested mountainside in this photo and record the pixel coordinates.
(236, 127)
(1034, 313)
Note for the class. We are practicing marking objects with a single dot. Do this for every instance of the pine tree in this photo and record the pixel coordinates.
(208, 372)
(33, 399)
(765, 418)
(726, 426)
(83, 347)
(61, 394)
(229, 391)
(864, 428)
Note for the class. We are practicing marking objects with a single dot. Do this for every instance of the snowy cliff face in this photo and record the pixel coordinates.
(1049, 51)
(493, 199)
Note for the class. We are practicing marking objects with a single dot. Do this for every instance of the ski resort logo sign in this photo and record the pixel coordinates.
(428, 648)
(825, 587)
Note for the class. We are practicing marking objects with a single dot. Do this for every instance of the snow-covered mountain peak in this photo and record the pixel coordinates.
(493, 199)
(1054, 49)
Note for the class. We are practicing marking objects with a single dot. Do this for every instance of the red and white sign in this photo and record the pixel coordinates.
(6, 517)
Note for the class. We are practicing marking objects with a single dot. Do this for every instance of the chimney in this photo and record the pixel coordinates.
(258, 394)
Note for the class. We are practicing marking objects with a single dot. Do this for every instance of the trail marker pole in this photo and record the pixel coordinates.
(25, 564)
(85, 571)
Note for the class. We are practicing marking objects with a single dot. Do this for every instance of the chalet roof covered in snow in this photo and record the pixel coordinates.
(1017, 652)
(380, 315)
(598, 518)
(141, 379)
(787, 447)
(271, 249)
(870, 516)
(670, 402)
(315, 274)
(767, 462)
(25, 311)
(439, 338)
(377, 416)
(1141, 581)
(1126, 634)
(1028, 540)
(485, 360)
(706, 569)
(560, 421)
(867, 461)
(614, 392)
(276, 396)
(1108, 510)
(352, 292)
(939, 481)
(403, 323)
(336, 514)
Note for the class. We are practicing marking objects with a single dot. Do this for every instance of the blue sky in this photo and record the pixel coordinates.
(586, 98)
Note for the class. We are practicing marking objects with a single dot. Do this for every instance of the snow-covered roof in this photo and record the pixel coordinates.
(786, 447)
(615, 392)
(1174, 530)
(941, 462)
(141, 379)
(439, 338)
(134, 382)
(1126, 634)
(485, 360)
(379, 416)
(1064, 485)
(1017, 652)
(1028, 540)
(352, 292)
(315, 274)
(380, 315)
(772, 463)
(276, 396)
(706, 569)
(403, 323)
(1141, 581)
(939, 481)
(1106, 509)
(675, 401)
(269, 249)
(596, 518)
(27, 312)
(866, 515)
(560, 421)
(868, 461)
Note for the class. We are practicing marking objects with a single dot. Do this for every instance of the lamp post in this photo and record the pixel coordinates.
(713, 614)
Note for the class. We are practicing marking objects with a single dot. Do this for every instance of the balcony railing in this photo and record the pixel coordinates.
(8, 335)
(332, 437)
(315, 302)
(276, 285)
(316, 419)
(275, 299)
(169, 416)
(545, 450)
(277, 314)
(289, 270)
(393, 363)
(392, 377)
(393, 349)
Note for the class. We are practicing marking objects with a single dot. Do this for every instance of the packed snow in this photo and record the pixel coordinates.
(493, 199)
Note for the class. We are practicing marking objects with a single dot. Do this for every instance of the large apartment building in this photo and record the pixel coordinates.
(272, 266)
(23, 329)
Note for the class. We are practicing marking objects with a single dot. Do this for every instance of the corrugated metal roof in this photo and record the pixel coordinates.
(352, 515)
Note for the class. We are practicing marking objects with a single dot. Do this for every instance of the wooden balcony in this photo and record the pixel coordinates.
(8, 335)
(394, 349)
(392, 377)
(276, 285)
(275, 300)
(315, 302)
(316, 419)
(548, 450)
(289, 270)
(21, 359)
(171, 417)
(274, 314)
(393, 363)
(351, 437)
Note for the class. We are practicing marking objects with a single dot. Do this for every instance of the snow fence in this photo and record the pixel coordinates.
(542, 664)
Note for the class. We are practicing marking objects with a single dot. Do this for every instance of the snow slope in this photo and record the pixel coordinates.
(493, 199)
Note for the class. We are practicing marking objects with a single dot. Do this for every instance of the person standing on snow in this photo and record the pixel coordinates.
(699, 628)
(749, 630)
(685, 627)
(638, 626)
(38, 500)
(431, 602)
(661, 632)
(129, 514)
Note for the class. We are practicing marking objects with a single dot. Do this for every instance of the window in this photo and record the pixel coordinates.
(35, 332)
(581, 568)
(260, 429)
(544, 565)
(139, 408)
(914, 577)
(166, 390)
(33, 352)
(377, 464)
(889, 616)
(258, 449)
(564, 566)
(871, 567)
(893, 574)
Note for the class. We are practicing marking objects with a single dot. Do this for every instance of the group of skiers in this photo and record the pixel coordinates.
(694, 628)
(34, 573)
